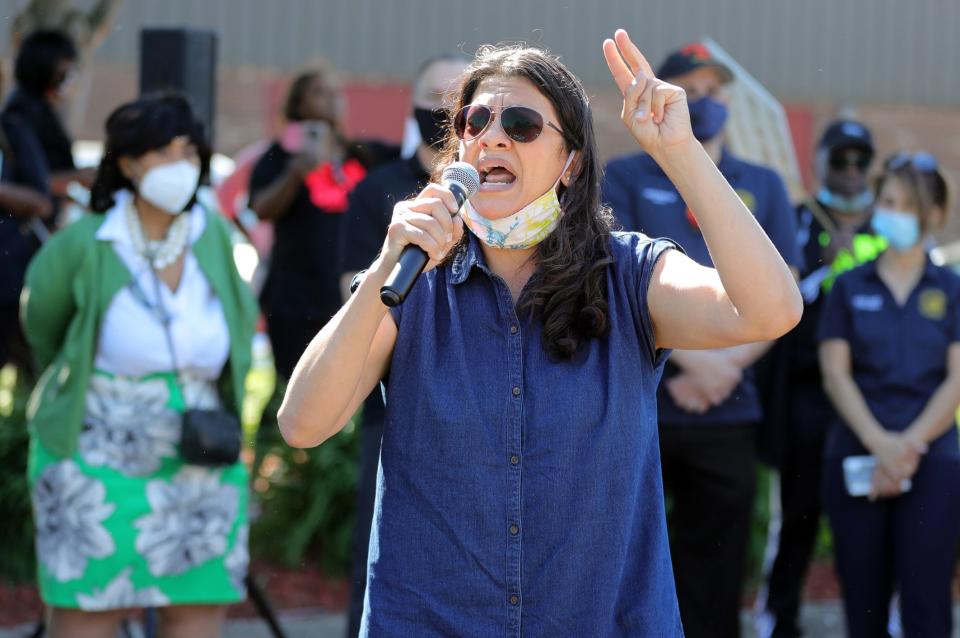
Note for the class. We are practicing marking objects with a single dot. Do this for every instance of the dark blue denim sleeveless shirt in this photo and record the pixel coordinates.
(519, 495)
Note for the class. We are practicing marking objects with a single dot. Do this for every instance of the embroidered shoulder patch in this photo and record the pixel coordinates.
(932, 304)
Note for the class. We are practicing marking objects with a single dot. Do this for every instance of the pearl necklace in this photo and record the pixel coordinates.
(163, 252)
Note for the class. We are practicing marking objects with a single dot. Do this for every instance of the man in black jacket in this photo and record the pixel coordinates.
(834, 235)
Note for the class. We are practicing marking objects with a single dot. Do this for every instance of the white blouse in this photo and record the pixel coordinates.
(132, 340)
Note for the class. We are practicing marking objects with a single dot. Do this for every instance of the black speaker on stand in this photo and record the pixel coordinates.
(183, 60)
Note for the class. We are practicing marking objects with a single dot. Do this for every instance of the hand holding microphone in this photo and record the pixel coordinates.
(425, 228)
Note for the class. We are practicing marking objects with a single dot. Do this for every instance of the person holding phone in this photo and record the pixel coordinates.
(301, 183)
(890, 356)
(834, 235)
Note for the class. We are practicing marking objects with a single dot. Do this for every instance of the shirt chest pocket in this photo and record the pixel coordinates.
(926, 344)
(877, 339)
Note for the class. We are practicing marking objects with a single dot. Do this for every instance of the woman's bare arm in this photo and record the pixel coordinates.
(352, 352)
(751, 295)
(340, 367)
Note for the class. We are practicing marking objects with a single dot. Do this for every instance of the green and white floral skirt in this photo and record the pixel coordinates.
(126, 522)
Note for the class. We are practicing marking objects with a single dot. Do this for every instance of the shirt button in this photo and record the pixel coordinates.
(514, 460)
(514, 329)
(514, 599)
(516, 390)
(514, 530)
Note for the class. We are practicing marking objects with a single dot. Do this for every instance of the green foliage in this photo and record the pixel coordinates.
(17, 563)
(306, 498)
(758, 526)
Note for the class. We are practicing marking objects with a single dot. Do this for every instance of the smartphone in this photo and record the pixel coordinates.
(858, 475)
(310, 136)
(316, 137)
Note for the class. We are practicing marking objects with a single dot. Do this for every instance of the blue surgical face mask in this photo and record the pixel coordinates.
(841, 204)
(707, 117)
(901, 230)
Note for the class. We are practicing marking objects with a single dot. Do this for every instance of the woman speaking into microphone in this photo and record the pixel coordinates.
(519, 488)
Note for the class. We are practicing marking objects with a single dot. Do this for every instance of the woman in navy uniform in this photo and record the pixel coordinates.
(890, 356)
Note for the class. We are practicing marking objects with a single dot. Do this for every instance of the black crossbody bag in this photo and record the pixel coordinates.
(207, 437)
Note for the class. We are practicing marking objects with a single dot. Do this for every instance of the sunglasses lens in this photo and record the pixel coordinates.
(471, 121)
(521, 124)
(840, 161)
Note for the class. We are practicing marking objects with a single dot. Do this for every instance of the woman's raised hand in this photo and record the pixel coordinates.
(655, 112)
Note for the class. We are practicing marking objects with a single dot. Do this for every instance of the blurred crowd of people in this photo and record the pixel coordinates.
(136, 315)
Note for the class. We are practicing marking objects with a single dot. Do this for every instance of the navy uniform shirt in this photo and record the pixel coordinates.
(898, 353)
(815, 280)
(519, 495)
(644, 199)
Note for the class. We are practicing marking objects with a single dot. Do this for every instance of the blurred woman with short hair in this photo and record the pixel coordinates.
(135, 315)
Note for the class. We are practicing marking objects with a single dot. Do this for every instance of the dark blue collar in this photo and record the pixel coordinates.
(728, 165)
(929, 275)
(469, 254)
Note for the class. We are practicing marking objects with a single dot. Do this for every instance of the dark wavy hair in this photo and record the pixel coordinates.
(141, 126)
(567, 291)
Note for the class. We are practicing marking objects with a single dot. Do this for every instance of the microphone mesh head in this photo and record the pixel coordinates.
(463, 174)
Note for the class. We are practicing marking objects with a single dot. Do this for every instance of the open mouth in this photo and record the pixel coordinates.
(495, 177)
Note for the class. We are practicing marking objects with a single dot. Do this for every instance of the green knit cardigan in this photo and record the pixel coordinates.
(69, 286)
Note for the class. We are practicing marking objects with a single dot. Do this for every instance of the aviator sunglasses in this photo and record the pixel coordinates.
(520, 123)
(840, 160)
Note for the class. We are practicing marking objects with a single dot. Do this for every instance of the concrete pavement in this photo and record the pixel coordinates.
(820, 620)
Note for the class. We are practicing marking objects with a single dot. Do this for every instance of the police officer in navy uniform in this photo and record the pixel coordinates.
(890, 355)
(708, 404)
(834, 236)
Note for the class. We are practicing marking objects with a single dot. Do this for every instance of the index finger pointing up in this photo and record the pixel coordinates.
(621, 73)
(632, 54)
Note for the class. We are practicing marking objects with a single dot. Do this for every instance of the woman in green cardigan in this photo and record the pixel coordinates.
(122, 520)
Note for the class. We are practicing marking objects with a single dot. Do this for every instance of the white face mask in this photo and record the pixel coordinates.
(170, 186)
(525, 228)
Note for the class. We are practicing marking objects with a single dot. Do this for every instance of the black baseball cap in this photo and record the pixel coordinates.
(847, 134)
(690, 57)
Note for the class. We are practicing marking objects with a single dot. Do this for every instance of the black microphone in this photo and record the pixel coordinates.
(463, 181)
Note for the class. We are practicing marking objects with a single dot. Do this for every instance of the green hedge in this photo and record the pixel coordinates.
(306, 498)
(17, 563)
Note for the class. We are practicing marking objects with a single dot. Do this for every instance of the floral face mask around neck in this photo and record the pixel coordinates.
(525, 228)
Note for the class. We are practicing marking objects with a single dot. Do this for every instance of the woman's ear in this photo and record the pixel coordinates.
(572, 170)
(128, 168)
(936, 219)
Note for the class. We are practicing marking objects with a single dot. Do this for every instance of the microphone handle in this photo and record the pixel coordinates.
(404, 275)
(412, 261)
